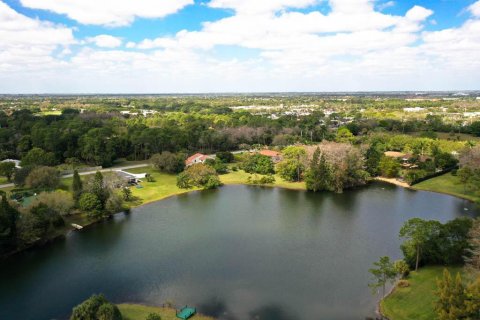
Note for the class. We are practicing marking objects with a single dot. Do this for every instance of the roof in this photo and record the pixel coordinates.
(269, 153)
(128, 175)
(196, 156)
(395, 154)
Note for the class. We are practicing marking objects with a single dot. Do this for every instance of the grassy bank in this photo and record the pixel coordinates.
(416, 301)
(165, 185)
(448, 184)
(140, 312)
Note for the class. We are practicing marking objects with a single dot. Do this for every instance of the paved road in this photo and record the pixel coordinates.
(133, 166)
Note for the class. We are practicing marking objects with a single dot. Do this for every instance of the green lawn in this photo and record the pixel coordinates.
(416, 301)
(165, 185)
(3, 180)
(139, 312)
(448, 184)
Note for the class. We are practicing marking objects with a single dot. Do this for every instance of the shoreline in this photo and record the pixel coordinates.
(63, 236)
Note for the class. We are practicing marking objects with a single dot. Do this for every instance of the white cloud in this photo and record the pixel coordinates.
(109, 12)
(475, 9)
(28, 43)
(105, 41)
(263, 6)
(353, 47)
(385, 5)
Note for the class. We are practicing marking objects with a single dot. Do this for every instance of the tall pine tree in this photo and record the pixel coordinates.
(77, 187)
(319, 176)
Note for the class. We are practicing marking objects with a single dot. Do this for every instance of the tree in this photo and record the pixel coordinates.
(114, 204)
(319, 176)
(153, 316)
(8, 225)
(473, 252)
(472, 299)
(21, 175)
(77, 186)
(7, 169)
(60, 201)
(219, 166)
(258, 163)
(416, 231)
(168, 162)
(382, 273)
(97, 187)
(43, 178)
(292, 167)
(225, 157)
(38, 157)
(451, 298)
(96, 308)
(389, 167)
(401, 268)
(344, 135)
(127, 194)
(373, 156)
(89, 202)
(198, 175)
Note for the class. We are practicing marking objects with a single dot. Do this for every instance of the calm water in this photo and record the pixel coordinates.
(236, 253)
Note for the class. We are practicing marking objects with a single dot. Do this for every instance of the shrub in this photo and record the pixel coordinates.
(43, 177)
(89, 202)
(168, 162)
(114, 204)
(198, 175)
(153, 316)
(403, 283)
(96, 308)
(60, 201)
(225, 157)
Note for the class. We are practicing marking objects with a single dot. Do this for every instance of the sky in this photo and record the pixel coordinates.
(197, 46)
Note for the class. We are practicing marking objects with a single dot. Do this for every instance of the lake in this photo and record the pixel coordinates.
(239, 252)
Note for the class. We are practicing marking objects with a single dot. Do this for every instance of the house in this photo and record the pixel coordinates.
(196, 158)
(407, 160)
(274, 155)
(130, 178)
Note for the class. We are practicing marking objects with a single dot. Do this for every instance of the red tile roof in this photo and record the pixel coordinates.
(269, 153)
(201, 156)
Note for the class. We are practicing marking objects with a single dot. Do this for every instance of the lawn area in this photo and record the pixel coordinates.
(448, 184)
(139, 312)
(416, 301)
(3, 180)
(165, 185)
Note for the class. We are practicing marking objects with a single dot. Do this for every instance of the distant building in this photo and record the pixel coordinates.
(415, 109)
(274, 155)
(196, 158)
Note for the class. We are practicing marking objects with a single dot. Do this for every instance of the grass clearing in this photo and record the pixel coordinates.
(140, 312)
(448, 184)
(165, 185)
(416, 301)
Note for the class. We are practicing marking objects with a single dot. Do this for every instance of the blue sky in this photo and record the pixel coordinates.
(238, 45)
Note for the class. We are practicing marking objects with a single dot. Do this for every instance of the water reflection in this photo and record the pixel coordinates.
(239, 253)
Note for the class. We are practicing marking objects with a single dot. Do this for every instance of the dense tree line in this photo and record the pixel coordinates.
(100, 135)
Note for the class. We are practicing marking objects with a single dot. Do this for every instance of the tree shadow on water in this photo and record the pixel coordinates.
(270, 312)
(217, 309)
